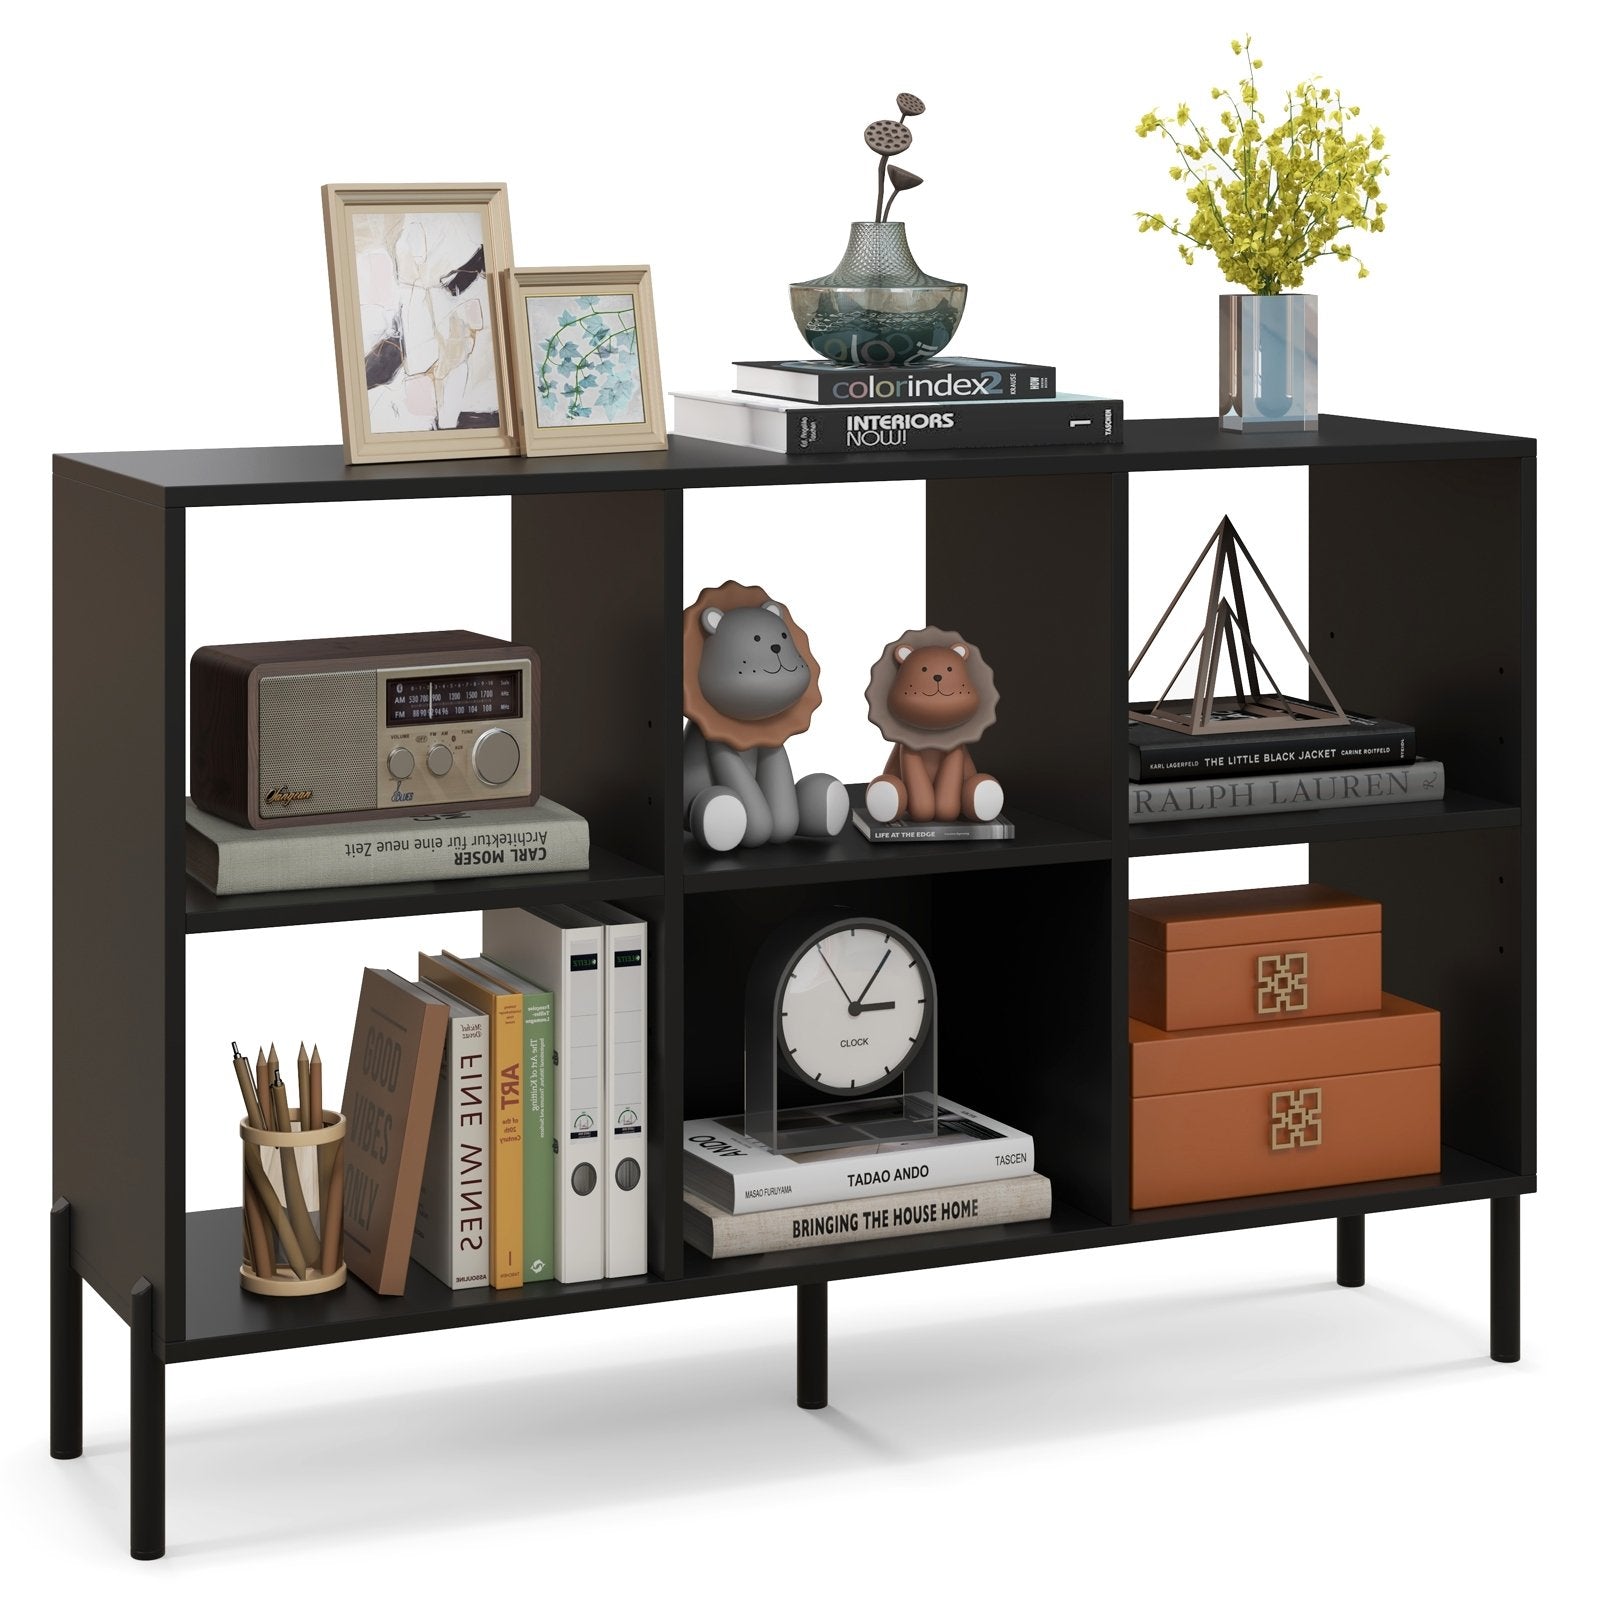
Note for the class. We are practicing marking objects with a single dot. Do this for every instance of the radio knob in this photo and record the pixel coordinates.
(401, 762)
(439, 760)
(496, 757)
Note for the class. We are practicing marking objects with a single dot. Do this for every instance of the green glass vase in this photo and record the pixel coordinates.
(877, 308)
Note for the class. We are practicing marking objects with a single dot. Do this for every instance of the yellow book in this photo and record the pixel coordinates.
(503, 1007)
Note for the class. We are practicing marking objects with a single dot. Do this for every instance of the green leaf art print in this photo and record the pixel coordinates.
(585, 360)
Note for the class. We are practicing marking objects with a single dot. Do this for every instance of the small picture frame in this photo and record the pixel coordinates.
(587, 372)
(418, 323)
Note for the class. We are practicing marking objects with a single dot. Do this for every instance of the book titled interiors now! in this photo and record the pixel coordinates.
(796, 428)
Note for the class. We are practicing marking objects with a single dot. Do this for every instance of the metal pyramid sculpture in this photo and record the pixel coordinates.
(1227, 626)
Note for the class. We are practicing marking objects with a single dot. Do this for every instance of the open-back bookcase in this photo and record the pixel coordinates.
(1421, 606)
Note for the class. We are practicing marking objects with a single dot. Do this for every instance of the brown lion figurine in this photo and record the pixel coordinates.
(932, 695)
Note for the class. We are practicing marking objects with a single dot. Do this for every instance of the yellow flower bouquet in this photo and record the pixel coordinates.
(1269, 201)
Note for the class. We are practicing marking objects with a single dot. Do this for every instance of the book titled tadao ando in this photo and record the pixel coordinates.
(871, 1151)
(389, 1090)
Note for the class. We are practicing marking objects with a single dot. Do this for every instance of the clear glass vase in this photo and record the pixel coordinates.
(1267, 362)
(877, 308)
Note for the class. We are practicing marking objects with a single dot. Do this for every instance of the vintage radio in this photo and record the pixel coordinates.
(320, 730)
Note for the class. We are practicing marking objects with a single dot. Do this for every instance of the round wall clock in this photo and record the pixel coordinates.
(855, 1000)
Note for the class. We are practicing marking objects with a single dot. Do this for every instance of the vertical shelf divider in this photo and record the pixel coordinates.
(118, 688)
(597, 589)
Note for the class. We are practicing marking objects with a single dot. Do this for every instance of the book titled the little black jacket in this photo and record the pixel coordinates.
(796, 428)
(1165, 753)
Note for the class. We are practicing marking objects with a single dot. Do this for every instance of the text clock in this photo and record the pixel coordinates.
(854, 1005)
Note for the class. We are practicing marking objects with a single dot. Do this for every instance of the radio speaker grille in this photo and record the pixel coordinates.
(316, 734)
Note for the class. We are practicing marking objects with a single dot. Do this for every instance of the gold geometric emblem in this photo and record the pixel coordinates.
(1296, 1119)
(1283, 982)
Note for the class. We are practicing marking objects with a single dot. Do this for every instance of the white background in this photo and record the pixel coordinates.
(1207, 1416)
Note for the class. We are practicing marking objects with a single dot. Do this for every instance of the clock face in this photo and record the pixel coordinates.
(853, 1008)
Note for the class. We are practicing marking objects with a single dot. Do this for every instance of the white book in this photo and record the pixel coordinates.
(627, 1036)
(561, 951)
(451, 1237)
(874, 1154)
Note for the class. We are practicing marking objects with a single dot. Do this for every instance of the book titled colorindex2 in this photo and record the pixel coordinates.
(950, 378)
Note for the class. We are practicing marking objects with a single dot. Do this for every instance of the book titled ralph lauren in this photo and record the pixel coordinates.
(794, 427)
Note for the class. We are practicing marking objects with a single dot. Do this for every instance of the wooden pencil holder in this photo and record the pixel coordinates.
(294, 1208)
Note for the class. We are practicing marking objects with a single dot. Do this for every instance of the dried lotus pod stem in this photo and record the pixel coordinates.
(887, 139)
(899, 179)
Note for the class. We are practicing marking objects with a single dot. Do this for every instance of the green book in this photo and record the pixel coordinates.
(538, 1137)
(538, 1123)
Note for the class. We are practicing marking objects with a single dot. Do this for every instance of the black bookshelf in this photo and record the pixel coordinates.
(1445, 641)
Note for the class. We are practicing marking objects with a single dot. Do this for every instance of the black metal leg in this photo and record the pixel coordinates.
(147, 1469)
(66, 1340)
(1352, 1270)
(811, 1346)
(1505, 1279)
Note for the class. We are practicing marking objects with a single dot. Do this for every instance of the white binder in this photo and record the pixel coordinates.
(627, 1031)
(562, 951)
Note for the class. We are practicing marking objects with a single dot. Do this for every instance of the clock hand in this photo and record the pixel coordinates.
(834, 975)
(872, 1005)
(874, 978)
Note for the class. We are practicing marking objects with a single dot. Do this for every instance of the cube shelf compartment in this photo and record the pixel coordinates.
(1422, 605)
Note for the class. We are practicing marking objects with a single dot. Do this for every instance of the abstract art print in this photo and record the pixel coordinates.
(424, 369)
(587, 373)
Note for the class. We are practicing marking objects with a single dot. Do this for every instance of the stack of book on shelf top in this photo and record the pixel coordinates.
(1315, 765)
(497, 1107)
(947, 403)
(741, 1197)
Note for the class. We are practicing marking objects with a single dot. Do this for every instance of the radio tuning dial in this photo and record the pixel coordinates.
(496, 757)
(401, 762)
(439, 760)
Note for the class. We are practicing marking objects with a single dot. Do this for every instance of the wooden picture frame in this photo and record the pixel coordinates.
(587, 371)
(418, 322)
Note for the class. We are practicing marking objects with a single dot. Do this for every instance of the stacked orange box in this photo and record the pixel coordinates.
(1265, 1055)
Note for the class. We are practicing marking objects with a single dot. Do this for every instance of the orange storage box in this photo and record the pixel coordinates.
(1221, 1112)
(1253, 955)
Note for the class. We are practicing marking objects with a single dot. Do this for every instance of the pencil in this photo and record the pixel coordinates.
(289, 1166)
(332, 1211)
(324, 1151)
(303, 1072)
(263, 1260)
(316, 1088)
(264, 1091)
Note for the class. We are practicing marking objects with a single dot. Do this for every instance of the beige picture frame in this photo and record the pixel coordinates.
(587, 372)
(418, 319)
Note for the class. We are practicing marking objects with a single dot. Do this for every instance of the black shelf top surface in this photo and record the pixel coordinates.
(609, 877)
(1454, 813)
(223, 1320)
(285, 474)
(1039, 842)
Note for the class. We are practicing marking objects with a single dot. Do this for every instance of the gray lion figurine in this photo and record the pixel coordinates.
(750, 683)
